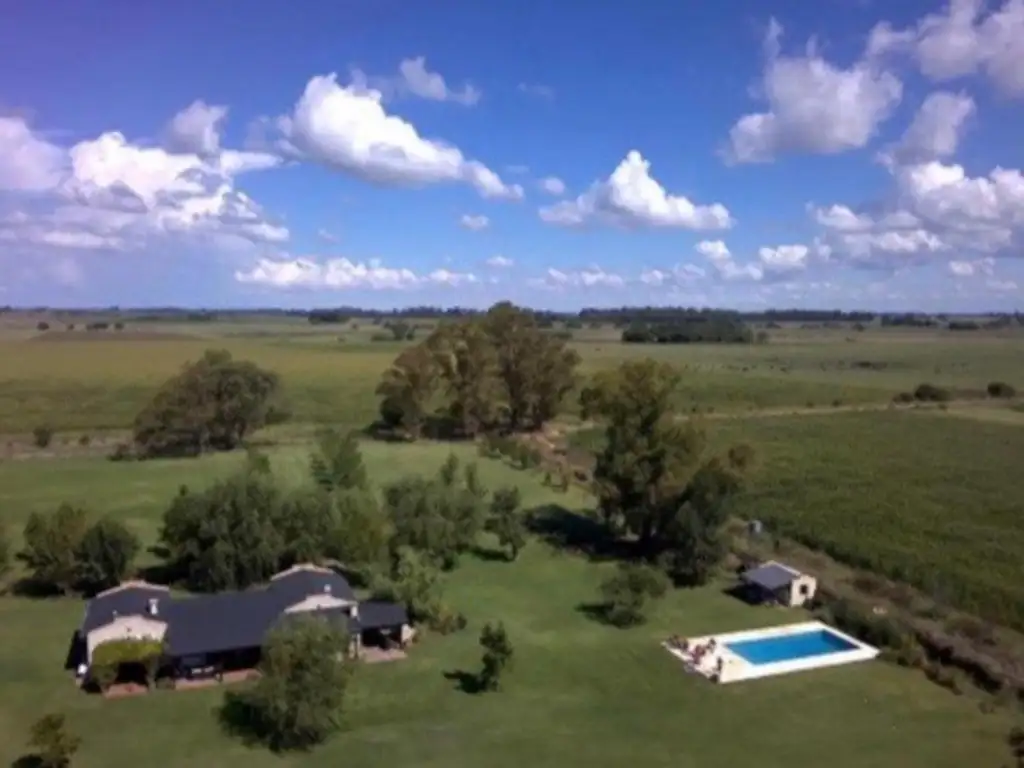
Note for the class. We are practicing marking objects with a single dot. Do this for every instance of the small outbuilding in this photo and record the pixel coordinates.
(775, 582)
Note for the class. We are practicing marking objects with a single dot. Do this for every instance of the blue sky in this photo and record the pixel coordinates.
(845, 153)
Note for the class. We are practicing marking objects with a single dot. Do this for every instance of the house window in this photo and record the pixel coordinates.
(805, 590)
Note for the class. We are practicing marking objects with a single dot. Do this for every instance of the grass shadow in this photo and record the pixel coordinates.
(466, 682)
(33, 588)
(576, 533)
(745, 593)
(488, 555)
(597, 612)
(238, 719)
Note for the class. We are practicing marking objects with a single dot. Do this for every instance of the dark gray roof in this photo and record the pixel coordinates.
(377, 614)
(222, 622)
(770, 576)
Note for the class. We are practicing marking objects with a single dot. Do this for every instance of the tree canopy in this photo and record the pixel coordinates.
(298, 700)
(500, 371)
(211, 405)
(64, 552)
(654, 479)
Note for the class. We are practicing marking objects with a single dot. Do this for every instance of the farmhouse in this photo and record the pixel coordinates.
(778, 583)
(212, 634)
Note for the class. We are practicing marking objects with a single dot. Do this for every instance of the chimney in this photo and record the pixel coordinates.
(152, 606)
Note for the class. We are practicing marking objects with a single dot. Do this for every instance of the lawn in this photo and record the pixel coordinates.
(922, 496)
(329, 374)
(579, 694)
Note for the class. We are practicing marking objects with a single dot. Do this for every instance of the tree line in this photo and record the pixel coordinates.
(690, 329)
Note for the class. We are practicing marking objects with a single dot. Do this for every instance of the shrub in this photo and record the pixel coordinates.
(52, 744)
(108, 657)
(929, 393)
(1000, 389)
(42, 325)
(42, 436)
(626, 595)
(84, 440)
(903, 397)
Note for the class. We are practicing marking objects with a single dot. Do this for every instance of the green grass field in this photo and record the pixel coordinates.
(580, 693)
(923, 496)
(82, 382)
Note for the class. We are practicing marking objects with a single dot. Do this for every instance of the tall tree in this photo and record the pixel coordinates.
(105, 554)
(406, 390)
(506, 522)
(440, 516)
(465, 359)
(228, 536)
(337, 462)
(415, 582)
(298, 700)
(212, 404)
(653, 477)
(50, 543)
(362, 531)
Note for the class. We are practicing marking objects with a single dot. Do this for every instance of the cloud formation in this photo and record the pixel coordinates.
(630, 197)
(814, 106)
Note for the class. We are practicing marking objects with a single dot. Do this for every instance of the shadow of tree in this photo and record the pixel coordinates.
(34, 589)
(489, 555)
(240, 720)
(576, 533)
(27, 761)
(595, 612)
(466, 682)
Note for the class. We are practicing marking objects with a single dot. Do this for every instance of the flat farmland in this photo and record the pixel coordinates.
(79, 381)
(578, 693)
(926, 497)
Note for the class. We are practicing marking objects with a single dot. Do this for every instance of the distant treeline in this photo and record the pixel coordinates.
(694, 328)
(620, 317)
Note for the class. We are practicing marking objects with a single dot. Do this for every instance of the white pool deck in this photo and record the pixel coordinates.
(723, 666)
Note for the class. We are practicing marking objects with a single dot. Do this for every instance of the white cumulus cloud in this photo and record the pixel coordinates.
(966, 38)
(197, 128)
(936, 130)
(110, 193)
(814, 106)
(500, 262)
(348, 129)
(630, 197)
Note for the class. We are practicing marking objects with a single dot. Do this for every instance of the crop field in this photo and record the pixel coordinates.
(80, 381)
(579, 693)
(926, 497)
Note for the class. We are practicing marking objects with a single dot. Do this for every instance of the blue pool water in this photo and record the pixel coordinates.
(770, 650)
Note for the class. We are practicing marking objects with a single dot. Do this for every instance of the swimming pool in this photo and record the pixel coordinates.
(756, 653)
(771, 650)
